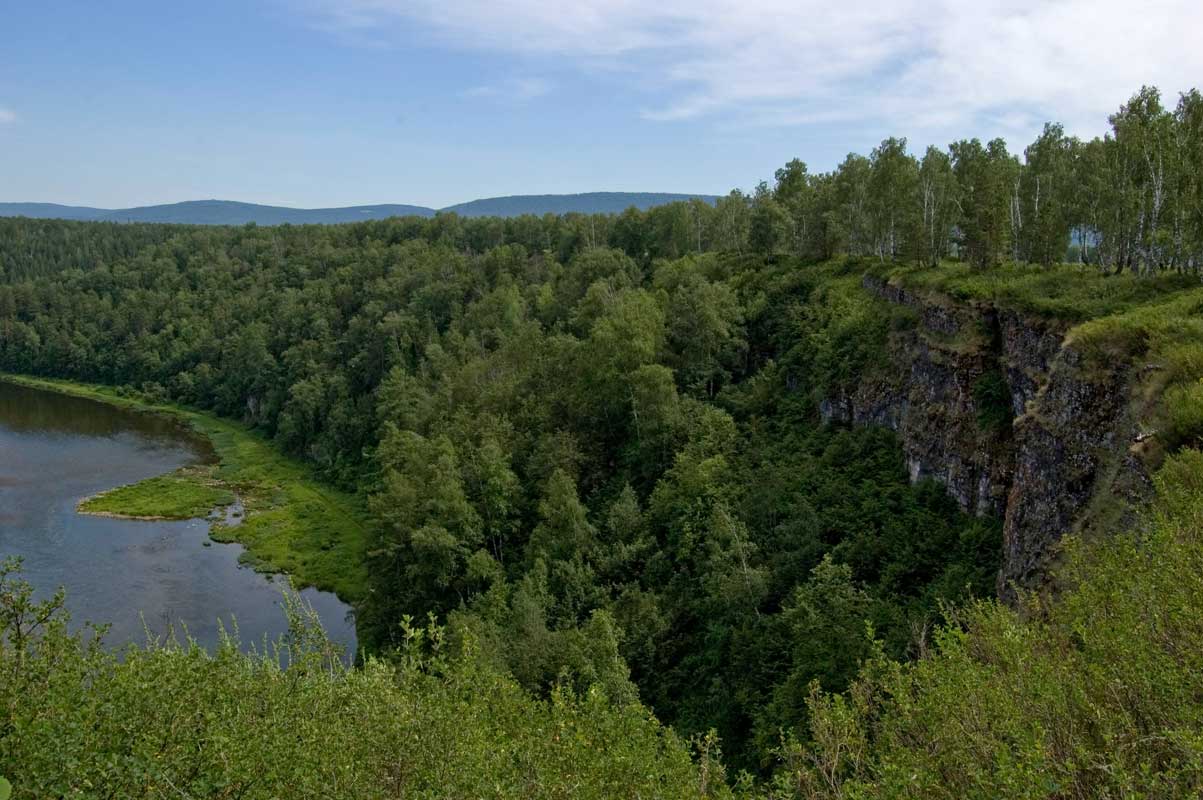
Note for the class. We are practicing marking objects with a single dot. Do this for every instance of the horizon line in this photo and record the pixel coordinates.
(279, 204)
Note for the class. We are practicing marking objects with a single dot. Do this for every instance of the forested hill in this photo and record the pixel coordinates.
(53, 211)
(229, 212)
(587, 203)
(213, 212)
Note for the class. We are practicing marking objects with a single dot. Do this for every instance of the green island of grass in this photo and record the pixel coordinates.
(187, 493)
(292, 523)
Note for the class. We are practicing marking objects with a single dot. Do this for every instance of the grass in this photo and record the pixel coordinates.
(1066, 292)
(188, 493)
(293, 523)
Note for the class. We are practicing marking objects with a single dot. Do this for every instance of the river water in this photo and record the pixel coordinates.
(143, 578)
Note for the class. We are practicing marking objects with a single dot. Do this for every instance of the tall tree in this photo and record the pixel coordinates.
(937, 203)
(1143, 146)
(768, 229)
(1043, 197)
(731, 224)
(849, 218)
(985, 181)
(794, 191)
(893, 182)
(1188, 221)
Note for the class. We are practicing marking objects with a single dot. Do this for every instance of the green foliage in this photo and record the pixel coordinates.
(1184, 423)
(1042, 213)
(563, 460)
(984, 175)
(842, 332)
(992, 397)
(173, 719)
(1091, 695)
(768, 227)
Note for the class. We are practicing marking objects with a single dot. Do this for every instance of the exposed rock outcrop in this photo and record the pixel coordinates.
(1004, 410)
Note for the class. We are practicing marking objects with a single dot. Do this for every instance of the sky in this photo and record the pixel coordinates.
(317, 103)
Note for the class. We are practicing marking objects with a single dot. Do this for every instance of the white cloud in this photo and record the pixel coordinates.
(910, 63)
(513, 91)
(7, 116)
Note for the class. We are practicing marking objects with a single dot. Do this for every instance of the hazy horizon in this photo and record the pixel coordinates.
(396, 202)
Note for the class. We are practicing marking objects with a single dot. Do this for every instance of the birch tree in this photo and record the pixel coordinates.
(937, 203)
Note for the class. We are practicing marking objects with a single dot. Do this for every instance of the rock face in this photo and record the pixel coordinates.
(1005, 411)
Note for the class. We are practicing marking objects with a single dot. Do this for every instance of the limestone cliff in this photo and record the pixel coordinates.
(1003, 408)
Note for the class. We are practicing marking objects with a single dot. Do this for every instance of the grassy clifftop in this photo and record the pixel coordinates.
(1067, 292)
(1154, 323)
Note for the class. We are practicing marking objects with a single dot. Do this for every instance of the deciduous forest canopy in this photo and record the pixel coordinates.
(591, 448)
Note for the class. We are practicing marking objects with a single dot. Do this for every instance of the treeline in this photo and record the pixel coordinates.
(1132, 199)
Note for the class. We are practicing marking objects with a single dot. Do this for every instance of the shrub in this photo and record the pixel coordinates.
(173, 720)
(1184, 415)
(1094, 694)
(992, 397)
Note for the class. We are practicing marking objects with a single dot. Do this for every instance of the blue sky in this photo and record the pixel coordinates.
(340, 102)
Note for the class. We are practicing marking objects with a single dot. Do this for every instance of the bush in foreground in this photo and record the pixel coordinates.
(173, 720)
(1092, 695)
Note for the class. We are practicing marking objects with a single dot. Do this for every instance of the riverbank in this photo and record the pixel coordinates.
(292, 523)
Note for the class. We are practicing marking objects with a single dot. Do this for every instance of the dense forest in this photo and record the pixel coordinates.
(591, 449)
(571, 461)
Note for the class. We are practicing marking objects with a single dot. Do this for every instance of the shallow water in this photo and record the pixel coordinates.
(143, 578)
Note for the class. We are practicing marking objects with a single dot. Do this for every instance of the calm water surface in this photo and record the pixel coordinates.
(56, 450)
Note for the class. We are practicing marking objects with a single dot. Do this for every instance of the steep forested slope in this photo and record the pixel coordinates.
(601, 466)
(1090, 695)
(572, 462)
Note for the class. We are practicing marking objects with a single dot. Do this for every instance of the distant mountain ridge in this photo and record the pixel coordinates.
(231, 212)
(587, 203)
(213, 212)
(51, 211)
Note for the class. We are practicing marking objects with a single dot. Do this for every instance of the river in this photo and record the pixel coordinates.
(141, 577)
